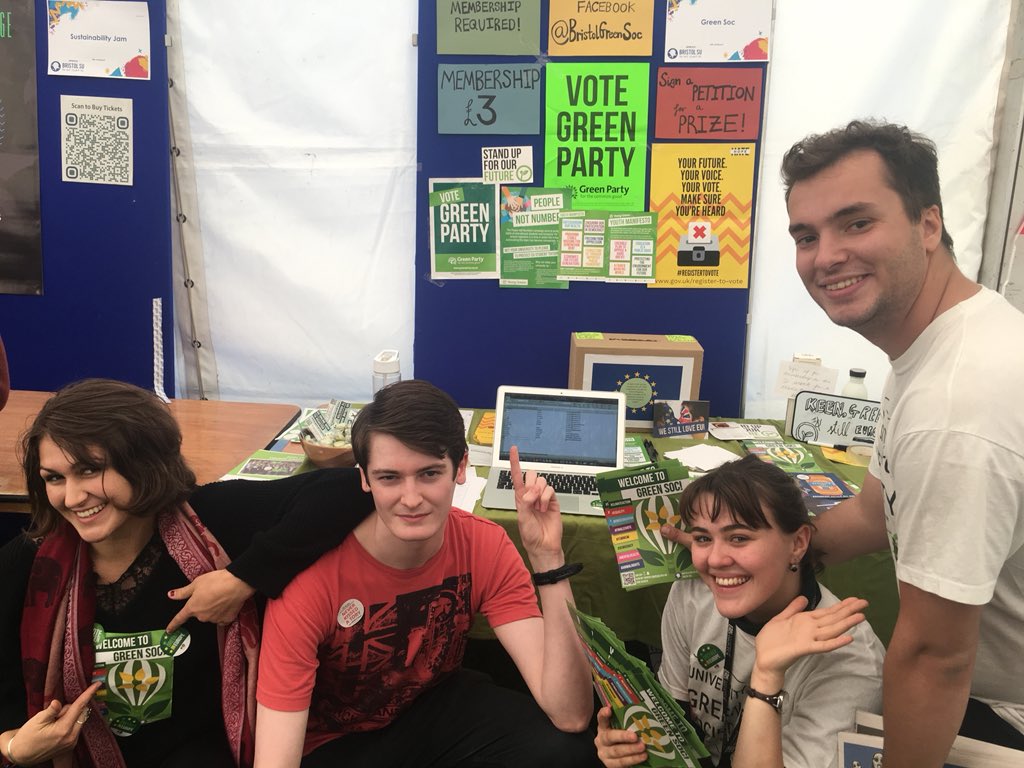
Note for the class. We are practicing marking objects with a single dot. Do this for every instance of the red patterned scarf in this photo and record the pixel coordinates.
(57, 647)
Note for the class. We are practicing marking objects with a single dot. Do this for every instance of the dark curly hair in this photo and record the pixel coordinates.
(910, 159)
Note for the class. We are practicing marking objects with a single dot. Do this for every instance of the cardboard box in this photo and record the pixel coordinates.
(646, 367)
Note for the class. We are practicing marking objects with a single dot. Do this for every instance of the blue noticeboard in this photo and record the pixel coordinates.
(472, 336)
(106, 249)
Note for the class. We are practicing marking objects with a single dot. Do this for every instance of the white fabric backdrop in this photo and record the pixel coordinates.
(303, 125)
(303, 122)
(932, 66)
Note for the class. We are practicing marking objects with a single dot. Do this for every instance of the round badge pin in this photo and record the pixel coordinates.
(350, 613)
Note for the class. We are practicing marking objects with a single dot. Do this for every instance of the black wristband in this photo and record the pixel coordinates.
(558, 574)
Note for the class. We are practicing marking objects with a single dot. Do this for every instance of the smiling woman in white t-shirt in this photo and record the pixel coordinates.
(768, 664)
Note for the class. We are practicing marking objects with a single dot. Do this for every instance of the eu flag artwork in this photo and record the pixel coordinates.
(21, 267)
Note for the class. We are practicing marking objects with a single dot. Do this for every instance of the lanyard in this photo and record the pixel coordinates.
(728, 734)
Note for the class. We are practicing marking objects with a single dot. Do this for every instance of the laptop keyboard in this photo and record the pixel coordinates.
(575, 485)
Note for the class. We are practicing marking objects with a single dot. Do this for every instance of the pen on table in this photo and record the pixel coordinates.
(652, 452)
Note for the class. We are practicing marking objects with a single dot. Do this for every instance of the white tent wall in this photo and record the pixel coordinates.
(934, 66)
(302, 120)
(303, 126)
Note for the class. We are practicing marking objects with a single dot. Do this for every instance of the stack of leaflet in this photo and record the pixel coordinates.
(637, 701)
(822, 490)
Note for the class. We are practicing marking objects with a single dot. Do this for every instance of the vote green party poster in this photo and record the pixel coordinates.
(596, 133)
(464, 236)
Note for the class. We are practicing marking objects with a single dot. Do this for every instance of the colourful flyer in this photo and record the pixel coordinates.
(789, 456)
(98, 38)
(596, 133)
(717, 30)
(491, 28)
(637, 502)
(530, 236)
(709, 103)
(488, 98)
(463, 229)
(600, 28)
(608, 246)
(681, 418)
(703, 195)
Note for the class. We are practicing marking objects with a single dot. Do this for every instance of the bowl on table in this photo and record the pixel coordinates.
(328, 456)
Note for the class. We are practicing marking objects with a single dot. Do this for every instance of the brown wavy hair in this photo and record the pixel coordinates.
(131, 430)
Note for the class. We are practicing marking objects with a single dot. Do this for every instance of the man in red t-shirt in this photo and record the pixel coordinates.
(362, 653)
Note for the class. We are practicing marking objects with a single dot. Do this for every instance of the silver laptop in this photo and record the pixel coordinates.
(567, 435)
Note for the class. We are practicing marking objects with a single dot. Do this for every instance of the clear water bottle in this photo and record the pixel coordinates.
(386, 369)
(856, 387)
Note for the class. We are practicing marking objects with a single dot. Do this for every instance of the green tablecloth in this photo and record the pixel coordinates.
(637, 615)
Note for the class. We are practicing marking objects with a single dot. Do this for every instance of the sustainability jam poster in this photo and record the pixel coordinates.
(463, 229)
(717, 31)
(21, 264)
(596, 133)
(703, 195)
(98, 38)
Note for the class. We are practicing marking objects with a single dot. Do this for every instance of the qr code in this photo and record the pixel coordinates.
(97, 148)
(629, 579)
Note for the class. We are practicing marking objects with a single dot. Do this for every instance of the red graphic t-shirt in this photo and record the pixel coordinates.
(382, 635)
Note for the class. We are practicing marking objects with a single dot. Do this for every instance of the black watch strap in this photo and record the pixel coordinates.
(775, 699)
(558, 574)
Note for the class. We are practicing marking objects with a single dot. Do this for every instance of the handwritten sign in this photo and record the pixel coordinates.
(709, 103)
(834, 419)
(488, 98)
(600, 28)
(797, 377)
(491, 28)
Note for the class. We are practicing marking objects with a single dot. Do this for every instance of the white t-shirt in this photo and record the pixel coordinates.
(825, 690)
(950, 458)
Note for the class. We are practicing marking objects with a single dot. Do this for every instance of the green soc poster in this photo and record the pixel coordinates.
(596, 133)
(463, 229)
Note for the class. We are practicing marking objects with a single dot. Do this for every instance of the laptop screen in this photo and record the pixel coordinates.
(560, 429)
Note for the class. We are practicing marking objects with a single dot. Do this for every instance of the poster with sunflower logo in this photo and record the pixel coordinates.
(137, 671)
(637, 502)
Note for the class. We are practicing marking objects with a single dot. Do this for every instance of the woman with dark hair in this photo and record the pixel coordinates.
(767, 663)
(91, 609)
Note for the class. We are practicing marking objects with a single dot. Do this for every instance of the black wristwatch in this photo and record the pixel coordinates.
(775, 700)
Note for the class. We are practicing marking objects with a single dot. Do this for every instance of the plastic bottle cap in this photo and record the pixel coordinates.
(858, 373)
(387, 361)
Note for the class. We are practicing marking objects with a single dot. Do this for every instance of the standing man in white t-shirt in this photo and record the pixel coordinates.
(945, 489)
